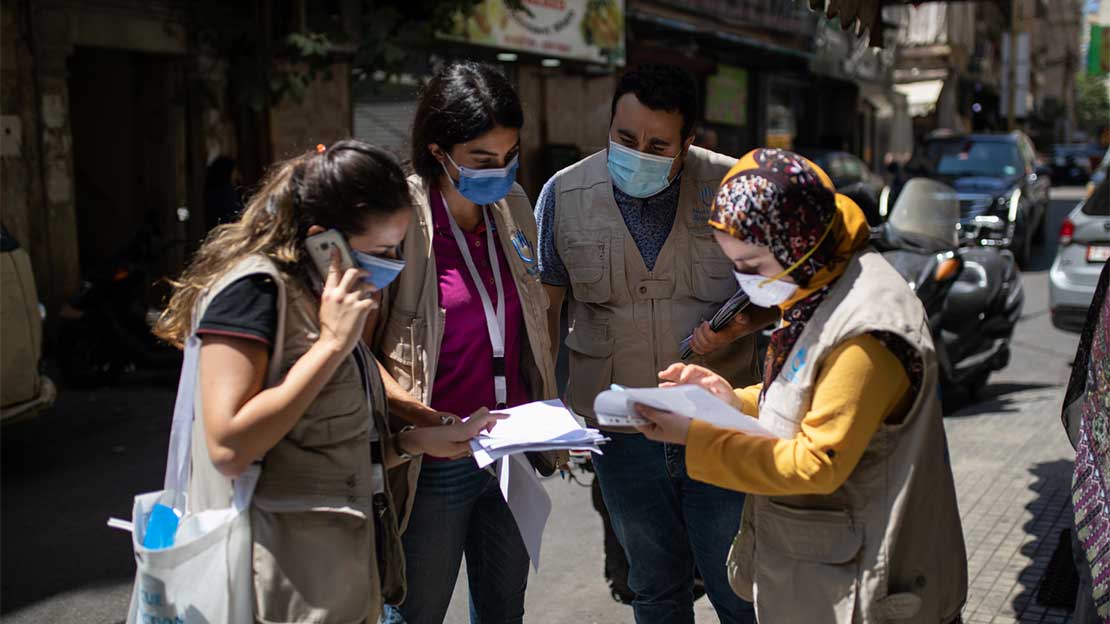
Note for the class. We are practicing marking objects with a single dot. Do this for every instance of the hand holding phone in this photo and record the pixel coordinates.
(345, 300)
(320, 248)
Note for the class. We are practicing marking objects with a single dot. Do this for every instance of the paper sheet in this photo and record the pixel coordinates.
(689, 401)
(528, 501)
(539, 426)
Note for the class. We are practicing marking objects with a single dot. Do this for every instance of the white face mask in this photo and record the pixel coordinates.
(763, 292)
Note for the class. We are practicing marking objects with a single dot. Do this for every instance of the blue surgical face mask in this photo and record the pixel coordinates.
(382, 271)
(636, 173)
(485, 186)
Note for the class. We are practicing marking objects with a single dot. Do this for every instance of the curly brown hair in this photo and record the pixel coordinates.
(338, 188)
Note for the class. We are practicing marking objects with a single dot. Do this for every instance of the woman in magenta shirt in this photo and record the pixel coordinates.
(465, 330)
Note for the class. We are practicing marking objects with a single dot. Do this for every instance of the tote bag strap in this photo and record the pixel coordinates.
(179, 457)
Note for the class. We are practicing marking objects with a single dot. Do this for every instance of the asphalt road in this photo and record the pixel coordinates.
(66, 472)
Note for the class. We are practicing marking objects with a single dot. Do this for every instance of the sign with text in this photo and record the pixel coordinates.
(726, 96)
(581, 30)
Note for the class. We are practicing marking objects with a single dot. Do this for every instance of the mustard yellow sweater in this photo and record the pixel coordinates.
(860, 384)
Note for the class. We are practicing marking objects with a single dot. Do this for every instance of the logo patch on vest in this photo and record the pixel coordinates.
(525, 252)
(790, 371)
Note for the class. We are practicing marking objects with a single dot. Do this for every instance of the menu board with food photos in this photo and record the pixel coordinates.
(583, 30)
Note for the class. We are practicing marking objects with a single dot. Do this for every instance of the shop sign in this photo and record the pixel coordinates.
(726, 96)
(582, 30)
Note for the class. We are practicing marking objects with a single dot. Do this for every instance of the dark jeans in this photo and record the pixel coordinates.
(459, 509)
(668, 523)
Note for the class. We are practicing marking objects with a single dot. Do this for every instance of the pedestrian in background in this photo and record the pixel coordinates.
(851, 514)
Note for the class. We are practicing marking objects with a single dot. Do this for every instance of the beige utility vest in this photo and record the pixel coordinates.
(315, 554)
(412, 321)
(888, 544)
(626, 322)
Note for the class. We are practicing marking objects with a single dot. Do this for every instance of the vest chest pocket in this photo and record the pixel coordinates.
(712, 280)
(711, 276)
(587, 261)
(401, 350)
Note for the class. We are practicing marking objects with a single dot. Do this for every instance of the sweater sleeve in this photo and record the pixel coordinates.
(749, 399)
(860, 384)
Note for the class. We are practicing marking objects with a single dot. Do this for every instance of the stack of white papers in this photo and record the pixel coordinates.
(540, 426)
(614, 408)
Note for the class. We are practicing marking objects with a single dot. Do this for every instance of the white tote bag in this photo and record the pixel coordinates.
(205, 576)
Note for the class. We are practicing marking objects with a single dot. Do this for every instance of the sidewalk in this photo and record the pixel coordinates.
(1012, 464)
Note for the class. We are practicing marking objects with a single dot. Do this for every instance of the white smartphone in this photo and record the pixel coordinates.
(320, 247)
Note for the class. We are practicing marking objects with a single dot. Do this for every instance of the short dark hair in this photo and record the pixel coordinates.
(662, 88)
(461, 102)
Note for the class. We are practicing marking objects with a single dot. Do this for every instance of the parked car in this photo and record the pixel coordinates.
(24, 390)
(1084, 249)
(1003, 193)
(1071, 164)
(851, 177)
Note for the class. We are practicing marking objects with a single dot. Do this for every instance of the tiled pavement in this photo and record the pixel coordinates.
(1013, 474)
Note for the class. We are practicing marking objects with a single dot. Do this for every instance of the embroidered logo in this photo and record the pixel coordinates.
(525, 252)
(790, 373)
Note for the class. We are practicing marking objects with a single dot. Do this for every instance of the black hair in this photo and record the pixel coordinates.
(346, 183)
(460, 103)
(662, 88)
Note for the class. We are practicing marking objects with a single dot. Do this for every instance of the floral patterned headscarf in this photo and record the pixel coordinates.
(782, 201)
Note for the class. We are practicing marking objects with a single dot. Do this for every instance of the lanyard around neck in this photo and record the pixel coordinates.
(495, 318)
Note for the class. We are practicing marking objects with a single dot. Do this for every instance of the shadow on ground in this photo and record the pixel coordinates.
(64, 473)
(1051, 512)
(996, 398)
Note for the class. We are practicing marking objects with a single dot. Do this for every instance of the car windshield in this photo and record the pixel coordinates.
(992, 159)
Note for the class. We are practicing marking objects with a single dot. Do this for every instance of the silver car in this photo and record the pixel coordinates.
(1084, 249)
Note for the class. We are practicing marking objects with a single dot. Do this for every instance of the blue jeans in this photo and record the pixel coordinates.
(668, 523)
(459, 509)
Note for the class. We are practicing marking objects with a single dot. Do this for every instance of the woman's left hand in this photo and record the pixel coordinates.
(451, 441)
(663, 426)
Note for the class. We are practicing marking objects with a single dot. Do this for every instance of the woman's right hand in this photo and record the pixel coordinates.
(344, 306)
(679, 374)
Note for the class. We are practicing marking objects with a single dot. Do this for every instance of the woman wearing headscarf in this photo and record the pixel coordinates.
(853, 516)
(1086, 417)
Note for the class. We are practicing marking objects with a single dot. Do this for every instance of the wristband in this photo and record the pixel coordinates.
(397, 448)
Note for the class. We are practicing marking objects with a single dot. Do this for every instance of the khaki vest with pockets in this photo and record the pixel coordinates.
(312, 516)
(626, 322)
(888, 544)
(412, 321)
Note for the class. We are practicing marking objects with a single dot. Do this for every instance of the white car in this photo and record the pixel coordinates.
(24, 390)
(1084, 249)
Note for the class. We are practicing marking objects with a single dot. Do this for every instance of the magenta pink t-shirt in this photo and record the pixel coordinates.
(464, 376)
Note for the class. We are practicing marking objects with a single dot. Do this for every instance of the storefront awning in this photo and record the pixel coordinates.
(921, 96)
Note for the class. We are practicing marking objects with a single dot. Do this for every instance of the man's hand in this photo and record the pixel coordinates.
(751, 320)
(679, 374)
(663, 426)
